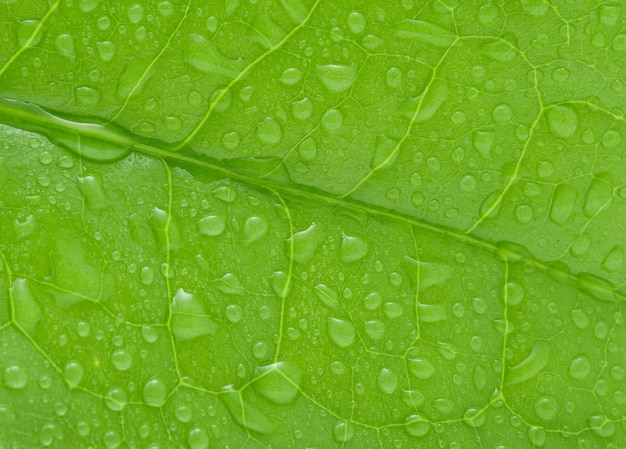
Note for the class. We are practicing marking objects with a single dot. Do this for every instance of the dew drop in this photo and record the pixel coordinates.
(352, 248)
(88, 96)
(197, 439)
(467, 184)
(598, 194)
(211, 225)
(375, 329)
(291, 76)
(421, 368)
(121, 359)
(65, 45)
(269, 131)
(336, 77)
(384, 151)
(254, 229)
(562, 121)
(580, 367)
(614, 259)
(74, 373)
(341, 332)
(372, 301)
(115, 399)
(307, 150)
(278, 382)
(387, 381)
(154, 392)
(393, 77)
(135, 12)
(88, 5)
(332, 120)
(546, 408)
(149, 334)
(502, 113)
(302, 109)
(417, 427)
(343, 432)
(328, 296)
(474, 417)
(225, 193)
(356, 22)
(15, 377)
(537, 436)
(189, 319)
(234, 313)
(183, 413)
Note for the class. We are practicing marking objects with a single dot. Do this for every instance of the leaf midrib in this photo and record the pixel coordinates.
(17, 114)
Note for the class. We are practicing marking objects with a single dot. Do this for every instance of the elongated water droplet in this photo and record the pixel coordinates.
(336, 77)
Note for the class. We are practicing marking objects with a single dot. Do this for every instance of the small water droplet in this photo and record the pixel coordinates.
(269, 131)
(474, 417)
(149, 334)
(502, 113)
(307, 150)
(88, 96)
(614, 260)
(302, 109)
(523, 213)
(416, 426)
(15, 377)
(135, 12)
(343, 432)
(122, 359)
(467, 184)
(304, 244)
(580, 367)
(65, 45)
(421, 368)
(183, 413)
(352, 249)
(393, 77)
(74, 373)
(546, 408)
(332, 120)
(337, 77)
(106, 50)
(234, 313)
(225, 193)
(537, 436)
(154, 392)
(387, 381)
(375, 329)
(611, 138)
(231, 140)
(563, 202)
(198, 439)
(598, 194)
(562, 121)
(341, 332)
(291, 76)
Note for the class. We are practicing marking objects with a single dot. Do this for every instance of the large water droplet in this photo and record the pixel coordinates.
(417, 427)
(269, 131)
(426, 33)
(356, 22)
(327, 295)
(341, 332)
(74, 373)
(115, 399)
(342, 432)
(353, 248)
(198, 439)
(562, 121)
(278, 382)
(336, 77)
(122, 359)
(254, 229)
(546, 408)
(599, 194)
(421, 368)
(211, 225)
(304, 244)
(384, 151)
(387, 381)
(154, 392)
(563, 202)
(27, 311)
(189, 319)
(580, 367)
(15, 377)
(65, 45)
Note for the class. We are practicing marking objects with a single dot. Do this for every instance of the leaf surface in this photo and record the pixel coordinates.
(312, 224)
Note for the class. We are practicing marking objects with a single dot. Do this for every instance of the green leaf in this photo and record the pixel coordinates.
(310, 223)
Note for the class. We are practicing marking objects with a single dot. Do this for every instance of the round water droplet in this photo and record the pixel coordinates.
(611, 138)
(356, 22)
(502, 113)
(337, 77)
(198, 439)
(375, 329)
(474, 417)
(154, 392)
(135, 12)
(121, 359)
(332, 120)
(231, 140)
(562, 121)
(211, 225)
(537, 436)
(254, 229)
(343, 432)
(341, 332)
(523, 213)
(115, 399)
(183, 413)
(514, 293)
(149, 334)
(421, 368)
(580, 367)
(308, 149)
(546, 408)
(269, 131)
(291, 76)
(165, 8)
(387, 381)
(353, 248)
(234, 313)
(112, 439)
(15, 377)
(467, 183)
(74, 373)
(302, 109)
(372, 301)
(393, 77)
(417, 427)
(278, 382)
(417, 199)
(65, 45)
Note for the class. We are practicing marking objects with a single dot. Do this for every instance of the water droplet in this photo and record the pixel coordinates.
(337, 78)
(121, 359)
(230, 283)
(352, 248)
(417, 199)
(480, 377)
(269, 131)
(474, 417)
(443, 405)
(135, 12)
(278, 382)
(234, 313)
(332, 120)
(244, 414)
(65, 45)
(609, 14)
(87, 96)
(225, 193)
(356, 22)
(424, 108)
(498, 50)
(183, 413)
(514, 293)
(487, 14)
(502, 113)
(189, 319)
(115, 399)
(29, 33)
(341, 332)
(149, 334)
(372, 301)
(562, 121)
(467, 184)
(523, 213)
(611, 138)
(531, 365)
(614, 260)
(291, 76)
(426, 33)
(387, 381)
(15, 377)
(483, 141)
(231, 140)
(384, 152)
(375, 329)
(88, 5)
(580, 367)
(254, 229)
(211, 225)
(546, 408)
(601, 426)
(563, 202)
(598, 194)
(417, 427)
(421, 368)
(197, 439)
(304, 244)
(545, 169)
(537, 436)
(302, 109)
(394, 77)
(343, 432)
(106, 50)
(74, 373)
(154, 392)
